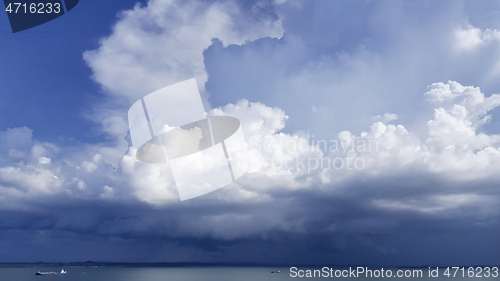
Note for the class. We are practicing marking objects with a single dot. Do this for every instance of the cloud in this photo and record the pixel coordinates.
(470, 38)
(386, 118)
(405, 183)
(326, 182)
(162, 43)
(380, 62)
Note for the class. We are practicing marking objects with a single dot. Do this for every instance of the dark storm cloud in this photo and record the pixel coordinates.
(338, 227)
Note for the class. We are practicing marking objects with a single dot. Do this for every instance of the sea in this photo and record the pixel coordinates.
(217, 273)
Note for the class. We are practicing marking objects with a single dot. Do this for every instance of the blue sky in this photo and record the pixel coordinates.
(43, 66)
(419, 80)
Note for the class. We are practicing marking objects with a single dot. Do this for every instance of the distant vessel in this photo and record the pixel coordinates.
(52, 272)
(275, 271)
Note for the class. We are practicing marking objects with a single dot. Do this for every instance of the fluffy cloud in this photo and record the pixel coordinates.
(346, 185)
(162, 43)
(280, 161)
(470, 38)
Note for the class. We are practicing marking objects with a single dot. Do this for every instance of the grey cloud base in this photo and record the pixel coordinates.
(316, 228)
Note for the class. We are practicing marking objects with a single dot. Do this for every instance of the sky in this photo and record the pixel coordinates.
(372, 132)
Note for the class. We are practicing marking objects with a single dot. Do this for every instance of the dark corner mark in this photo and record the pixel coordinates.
(25, 14)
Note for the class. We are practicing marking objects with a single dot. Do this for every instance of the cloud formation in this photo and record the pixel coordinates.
(162, 43)
(442, 177)
(352, 159)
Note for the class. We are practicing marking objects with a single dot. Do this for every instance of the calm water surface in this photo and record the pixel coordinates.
(181, 274)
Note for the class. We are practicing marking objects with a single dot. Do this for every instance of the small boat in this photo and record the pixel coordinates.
(275, 271)
(52, 272)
